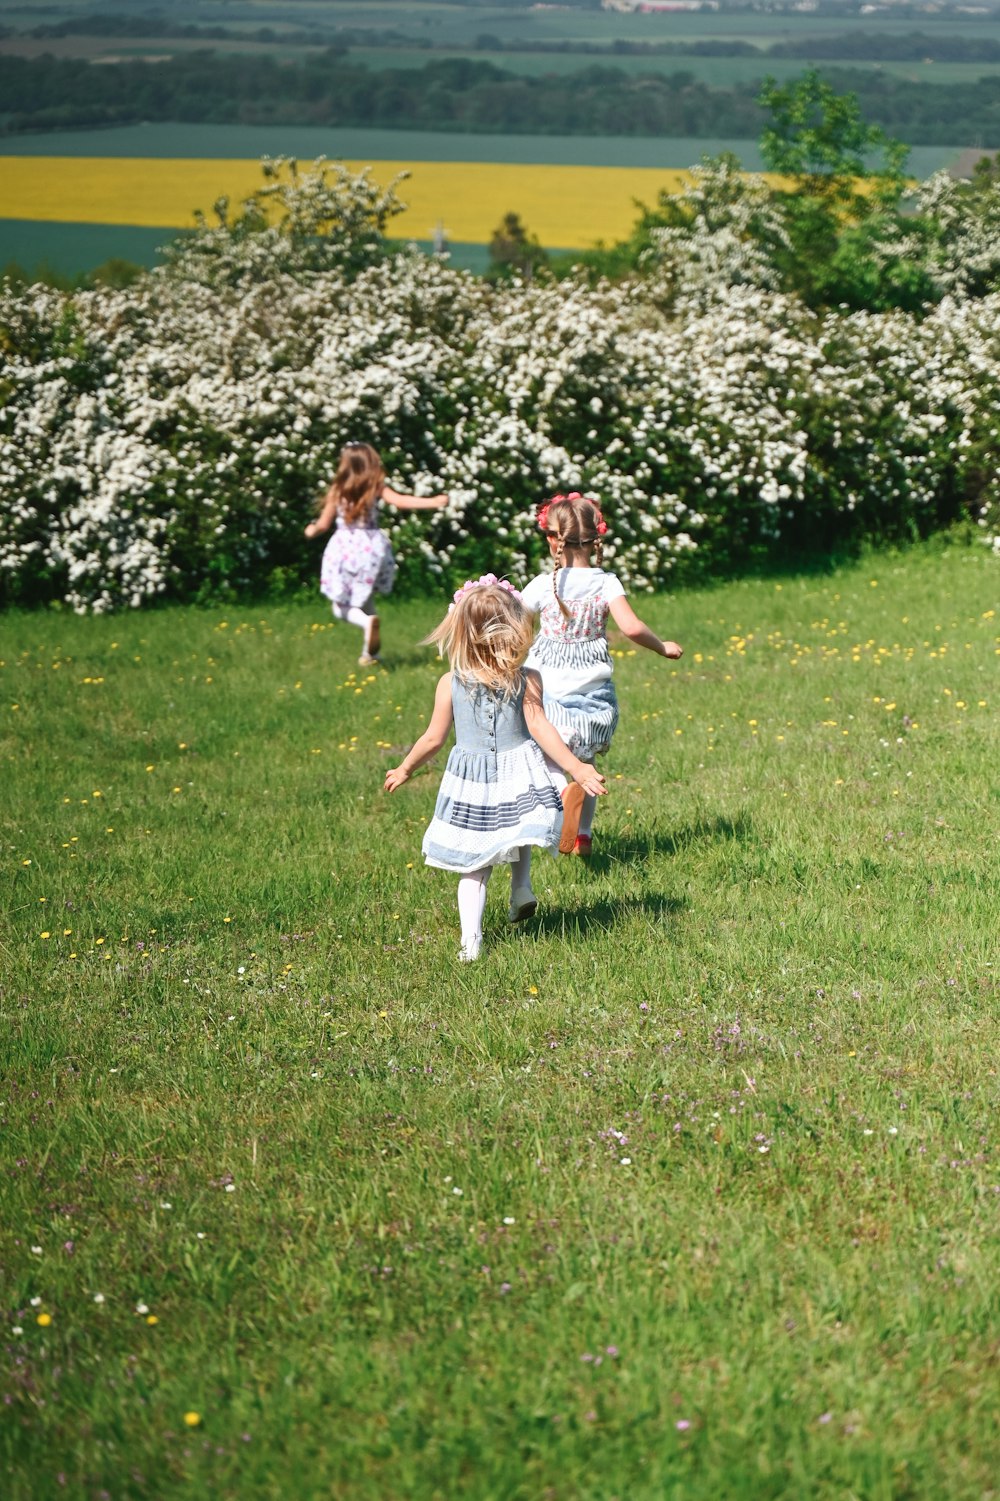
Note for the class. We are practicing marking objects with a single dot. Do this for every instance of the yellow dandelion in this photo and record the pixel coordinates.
(46, 935)
(192, 1419)
(44, 1320)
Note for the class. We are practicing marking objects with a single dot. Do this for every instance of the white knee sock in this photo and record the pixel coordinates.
(353, 614)
(472, 904)
(587, 814)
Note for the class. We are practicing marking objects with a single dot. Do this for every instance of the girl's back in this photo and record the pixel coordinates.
(485, 722)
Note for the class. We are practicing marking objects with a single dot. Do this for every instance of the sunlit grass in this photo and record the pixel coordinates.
(688, 1188)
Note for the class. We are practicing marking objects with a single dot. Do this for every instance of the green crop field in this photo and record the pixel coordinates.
(687, 1188)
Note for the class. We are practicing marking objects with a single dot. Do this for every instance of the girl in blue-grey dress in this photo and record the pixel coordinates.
(498, 797)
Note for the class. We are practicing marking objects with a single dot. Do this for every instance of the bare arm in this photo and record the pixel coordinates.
(552, 743)
(413, 502)
(326, 517)
(430, 741)
(636, 630)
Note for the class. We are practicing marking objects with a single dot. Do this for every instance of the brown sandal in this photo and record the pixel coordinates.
(572, 801)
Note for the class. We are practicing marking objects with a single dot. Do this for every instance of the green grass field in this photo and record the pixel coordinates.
(688, 1189)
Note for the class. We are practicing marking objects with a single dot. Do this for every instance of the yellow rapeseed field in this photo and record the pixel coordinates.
(564, 206)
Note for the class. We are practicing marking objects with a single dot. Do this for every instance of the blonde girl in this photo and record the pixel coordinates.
(497, 798)
(358, 561)
(571, 650)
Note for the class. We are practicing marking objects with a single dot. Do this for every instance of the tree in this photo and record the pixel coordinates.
(513, 252)
(839, 204)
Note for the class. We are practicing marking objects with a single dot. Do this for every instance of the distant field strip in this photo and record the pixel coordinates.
(562, 205)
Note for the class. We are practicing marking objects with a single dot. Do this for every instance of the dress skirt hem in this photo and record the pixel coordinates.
(489, 806)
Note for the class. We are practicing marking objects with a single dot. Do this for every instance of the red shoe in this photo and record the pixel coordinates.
(582, 845)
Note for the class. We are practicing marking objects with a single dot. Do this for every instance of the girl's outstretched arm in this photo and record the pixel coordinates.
(552, 743)
(636, 630)
(430, 741)
(326, 517)
(413, 502)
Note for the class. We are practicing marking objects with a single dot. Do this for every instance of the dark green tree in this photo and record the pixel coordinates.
(843, 199)
(514, 252)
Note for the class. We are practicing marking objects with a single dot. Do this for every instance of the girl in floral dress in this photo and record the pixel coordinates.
(571, 650)
(358, 561)
(497, 798)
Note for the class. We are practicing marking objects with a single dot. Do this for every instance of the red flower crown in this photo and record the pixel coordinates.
(542, 518)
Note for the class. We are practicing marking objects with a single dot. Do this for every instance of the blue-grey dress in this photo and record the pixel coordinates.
(497, 794)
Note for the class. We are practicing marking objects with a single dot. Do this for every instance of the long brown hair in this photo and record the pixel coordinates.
(486, 637)
(576, 523)
(358, 480)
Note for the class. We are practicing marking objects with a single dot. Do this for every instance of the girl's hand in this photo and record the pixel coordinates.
(672, 650)
(440, 501)
(395, 778)
(311, 529)
(590, 779)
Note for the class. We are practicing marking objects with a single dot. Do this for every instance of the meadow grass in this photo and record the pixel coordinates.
(687, 1189)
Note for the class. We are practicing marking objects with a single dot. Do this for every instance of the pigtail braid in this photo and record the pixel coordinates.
(560, 564)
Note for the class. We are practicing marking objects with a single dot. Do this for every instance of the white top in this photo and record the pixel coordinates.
(574, 583)
(572, 652)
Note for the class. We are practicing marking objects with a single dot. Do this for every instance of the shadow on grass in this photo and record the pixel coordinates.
(616, 849)
(602, 915)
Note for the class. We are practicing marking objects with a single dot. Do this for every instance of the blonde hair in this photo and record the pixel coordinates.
(358, 480)
(575, 525)
(486, 636)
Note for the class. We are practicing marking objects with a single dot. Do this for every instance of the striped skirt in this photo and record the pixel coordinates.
(587, 720)
(577, 691)
(490, 806)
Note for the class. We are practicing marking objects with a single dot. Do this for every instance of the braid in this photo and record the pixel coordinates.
(572, 522)
(560, 564)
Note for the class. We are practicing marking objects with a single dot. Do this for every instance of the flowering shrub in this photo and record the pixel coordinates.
(169, 439)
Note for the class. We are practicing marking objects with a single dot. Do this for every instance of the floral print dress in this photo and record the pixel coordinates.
(357, 561)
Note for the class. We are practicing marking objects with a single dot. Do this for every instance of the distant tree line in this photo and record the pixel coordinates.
(846, 46)
(876, 47)
(453, 94)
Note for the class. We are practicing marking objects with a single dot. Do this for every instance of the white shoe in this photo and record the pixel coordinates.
(523, 903)
(470, 952)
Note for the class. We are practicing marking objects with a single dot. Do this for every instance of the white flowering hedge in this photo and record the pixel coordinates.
(170, 439)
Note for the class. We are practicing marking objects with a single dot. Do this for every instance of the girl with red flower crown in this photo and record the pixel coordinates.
(571, 650)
